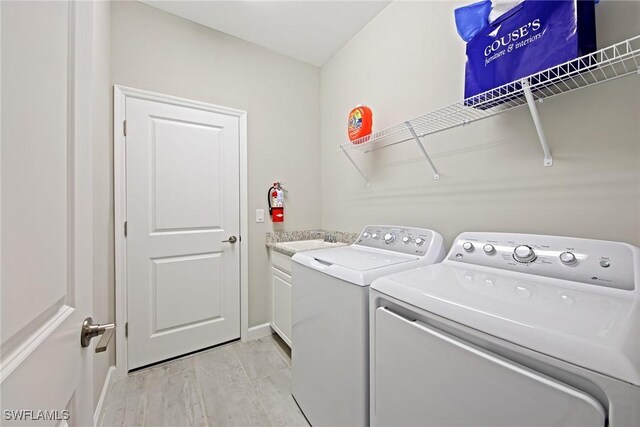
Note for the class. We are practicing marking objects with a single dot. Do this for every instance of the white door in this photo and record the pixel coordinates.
(46, 213)
(183, 202)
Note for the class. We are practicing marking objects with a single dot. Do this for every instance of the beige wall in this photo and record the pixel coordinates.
(103, 261)
(156, 51)
(409, 60)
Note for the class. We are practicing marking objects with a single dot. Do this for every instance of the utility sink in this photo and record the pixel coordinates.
(307, 245)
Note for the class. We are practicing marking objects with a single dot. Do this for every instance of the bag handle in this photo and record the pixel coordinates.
(508, 14)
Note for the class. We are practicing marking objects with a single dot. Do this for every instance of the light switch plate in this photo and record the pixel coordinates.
(259, 215)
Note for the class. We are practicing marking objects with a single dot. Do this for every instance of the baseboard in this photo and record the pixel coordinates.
(103, 395)
(258, 331)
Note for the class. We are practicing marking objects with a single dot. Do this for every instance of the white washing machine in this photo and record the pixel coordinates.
(510, 330)
(330, 343)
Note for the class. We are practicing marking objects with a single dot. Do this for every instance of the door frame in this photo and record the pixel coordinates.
(120, 95)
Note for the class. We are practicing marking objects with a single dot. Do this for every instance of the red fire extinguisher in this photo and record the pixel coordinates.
(275, 198)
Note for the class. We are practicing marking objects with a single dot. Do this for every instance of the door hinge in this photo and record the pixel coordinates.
(124, 128)
(126, 330)
(125, 229)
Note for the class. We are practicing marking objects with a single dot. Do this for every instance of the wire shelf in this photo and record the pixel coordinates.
(606, 64)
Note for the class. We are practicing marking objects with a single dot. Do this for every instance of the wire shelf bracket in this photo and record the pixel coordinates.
(366, 179)
(436, 175)
(526, 88)
(607, 64)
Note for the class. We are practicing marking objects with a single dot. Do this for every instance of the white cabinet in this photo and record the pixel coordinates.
(282, 304)
(281, 285)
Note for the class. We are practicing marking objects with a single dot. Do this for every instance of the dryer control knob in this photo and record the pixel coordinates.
(375, 236)
(468, 246)
(389, 238)
(489, 249)
(419, 241)
(366, 235)
(568, 258)
(524, 253)
(406, 240)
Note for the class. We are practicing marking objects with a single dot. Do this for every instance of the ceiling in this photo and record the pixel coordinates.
(308, 30)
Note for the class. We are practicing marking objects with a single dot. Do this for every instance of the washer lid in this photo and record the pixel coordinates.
(590, 326)
(359, 259)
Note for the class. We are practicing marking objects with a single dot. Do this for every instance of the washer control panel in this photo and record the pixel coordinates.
(408, 240)
(596, 262)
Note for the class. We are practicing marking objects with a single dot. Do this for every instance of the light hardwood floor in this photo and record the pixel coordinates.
(238, 384)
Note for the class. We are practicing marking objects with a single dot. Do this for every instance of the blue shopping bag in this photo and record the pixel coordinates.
(531, 37)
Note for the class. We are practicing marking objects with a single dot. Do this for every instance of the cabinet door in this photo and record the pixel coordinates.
(282, 304)
(423, 376)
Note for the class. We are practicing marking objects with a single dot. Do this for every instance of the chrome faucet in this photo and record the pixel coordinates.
(330, 238)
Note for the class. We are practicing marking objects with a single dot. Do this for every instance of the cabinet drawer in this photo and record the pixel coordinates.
(281, 261)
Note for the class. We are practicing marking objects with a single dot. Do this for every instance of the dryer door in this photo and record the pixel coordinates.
(422, 376)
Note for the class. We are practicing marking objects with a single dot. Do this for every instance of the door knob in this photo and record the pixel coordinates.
(90, 330)
(231, 239)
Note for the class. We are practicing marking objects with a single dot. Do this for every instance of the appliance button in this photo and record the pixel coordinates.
(524, 253)
(605, 264)
(468, 246)
(389, 238)
(406, 240)
(568, 258)
(489, 249)
(419, 241)
(375, 236)
(366, 235)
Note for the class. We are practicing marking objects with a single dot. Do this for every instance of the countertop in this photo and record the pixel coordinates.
(273, 238)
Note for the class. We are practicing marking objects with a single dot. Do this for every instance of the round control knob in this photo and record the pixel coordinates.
(489, 249)
(366, 235)
(406, 240)
(375, 236)
(419, 241)
(389, 238)
(568, 258)
(524, 253)
(467, 246)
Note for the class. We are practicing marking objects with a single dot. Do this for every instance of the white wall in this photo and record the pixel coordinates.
(408, 61)
(160, 52)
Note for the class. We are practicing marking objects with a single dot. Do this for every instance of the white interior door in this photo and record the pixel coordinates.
(183, 202)
(46, 213)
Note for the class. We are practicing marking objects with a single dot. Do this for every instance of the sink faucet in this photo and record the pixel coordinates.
(330, 238)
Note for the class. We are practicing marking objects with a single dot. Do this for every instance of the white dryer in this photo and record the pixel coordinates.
(510, 330)
(330, 342)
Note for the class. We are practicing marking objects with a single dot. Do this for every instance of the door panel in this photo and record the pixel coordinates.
(423, 376)
(25, 152)
(46, 211)
(192, 282)
(186, 175)
(182, 201)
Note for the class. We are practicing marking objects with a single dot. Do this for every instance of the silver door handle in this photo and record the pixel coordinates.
(231, 239)
(90, 330)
